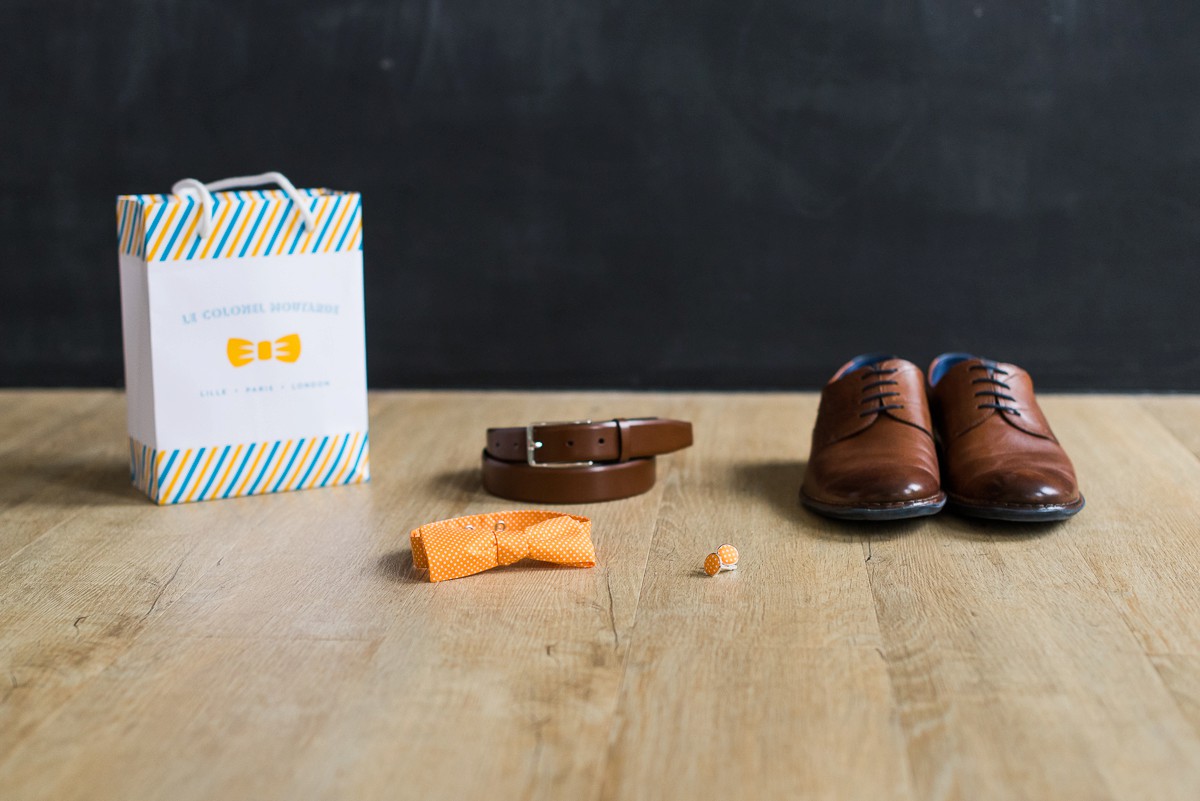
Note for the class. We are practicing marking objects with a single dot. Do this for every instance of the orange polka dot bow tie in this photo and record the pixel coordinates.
(467, 545)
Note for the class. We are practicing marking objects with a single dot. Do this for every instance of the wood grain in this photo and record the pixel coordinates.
(283, 646)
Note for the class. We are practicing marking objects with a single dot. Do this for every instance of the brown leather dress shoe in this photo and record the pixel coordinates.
(873, 456)
(1000, 459)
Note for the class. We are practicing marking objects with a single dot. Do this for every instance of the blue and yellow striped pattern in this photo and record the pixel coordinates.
(259, 222)
(252, 468)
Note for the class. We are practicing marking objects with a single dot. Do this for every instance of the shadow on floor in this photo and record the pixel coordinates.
(398, 566)
(778, 483)
(69, 482)
(981, 530)
(457, 483)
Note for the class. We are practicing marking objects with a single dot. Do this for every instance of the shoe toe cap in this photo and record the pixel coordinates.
(898, 484)
(1025, 486)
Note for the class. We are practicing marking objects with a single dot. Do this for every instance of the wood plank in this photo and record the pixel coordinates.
(520, 672)
(215, 718)
(283, 647)
(1179, 414)
(27, 415)
(534, 662)
(1152, 556)
(60, 459)
(1143, 489)
(1011, 663)
(1010, 672)
(766, 682)
(77, 598)
(1181, 674)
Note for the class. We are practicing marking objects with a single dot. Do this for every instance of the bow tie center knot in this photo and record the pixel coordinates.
(512, 545)
(264, 350)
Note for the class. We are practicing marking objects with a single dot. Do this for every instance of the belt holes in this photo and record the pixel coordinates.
(602, 440)
(570, 443)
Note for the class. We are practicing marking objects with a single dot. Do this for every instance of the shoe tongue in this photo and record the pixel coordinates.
(859, 362)
(949, 362)
(973, 363)
(950, 378)
(960, 405)
(843, 414)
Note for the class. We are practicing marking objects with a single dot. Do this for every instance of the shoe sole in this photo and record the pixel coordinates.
(1017, 513)
(878, 511)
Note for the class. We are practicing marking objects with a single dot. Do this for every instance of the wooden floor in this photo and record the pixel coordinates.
(283, 647)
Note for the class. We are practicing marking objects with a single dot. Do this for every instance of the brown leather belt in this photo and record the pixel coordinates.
(581, 461)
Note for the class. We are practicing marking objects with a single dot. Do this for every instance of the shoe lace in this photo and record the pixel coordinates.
(880, 398)
(996, 395)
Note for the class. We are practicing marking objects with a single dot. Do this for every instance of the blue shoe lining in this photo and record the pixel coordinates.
(943, 363)
(862, 361)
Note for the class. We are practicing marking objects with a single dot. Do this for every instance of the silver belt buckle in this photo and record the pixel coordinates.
(531, 444)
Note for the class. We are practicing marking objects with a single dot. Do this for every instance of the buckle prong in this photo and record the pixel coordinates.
(532, 444)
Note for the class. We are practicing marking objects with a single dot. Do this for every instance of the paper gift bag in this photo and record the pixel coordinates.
(245, 364)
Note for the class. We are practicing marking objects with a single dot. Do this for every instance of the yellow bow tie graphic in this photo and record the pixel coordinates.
(242, 351)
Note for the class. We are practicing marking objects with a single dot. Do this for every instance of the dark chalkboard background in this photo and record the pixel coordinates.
(691, 194)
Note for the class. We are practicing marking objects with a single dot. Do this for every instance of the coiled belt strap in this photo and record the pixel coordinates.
(582, 461)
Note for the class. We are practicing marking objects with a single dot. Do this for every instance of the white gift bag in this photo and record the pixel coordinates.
(245, 361)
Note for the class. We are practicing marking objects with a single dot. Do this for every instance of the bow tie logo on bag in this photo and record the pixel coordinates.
(242, 351)
(468, 545)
